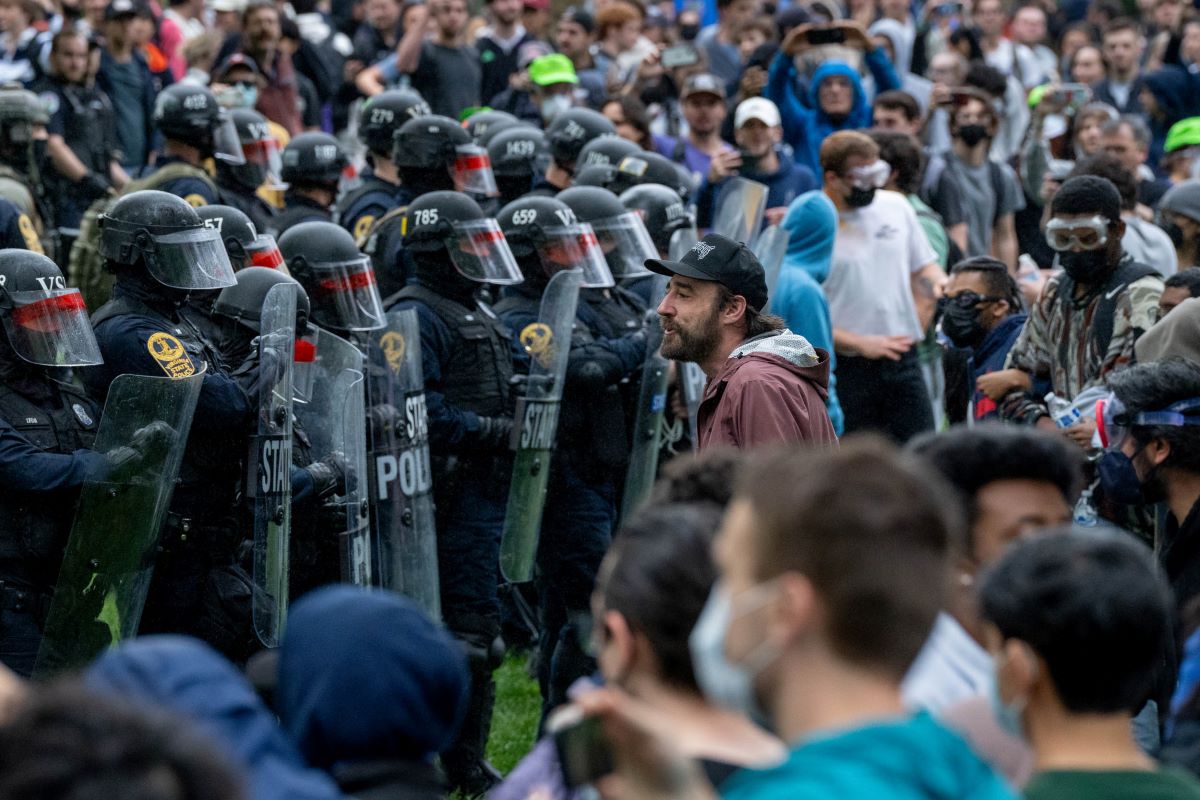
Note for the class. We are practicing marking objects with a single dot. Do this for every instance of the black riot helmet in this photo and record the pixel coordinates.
(434, 153)
(602, 175)
(338, 278)
(663, 212)
(45, 322)
(620, 232)
(454, 224)
(647, 167)
(166, 235)
(382, 114)
(605, 150)
(547, 237)
(571, 130)
(313, 159)
(518, 155)
(244, 244)
(20, 113)
(483, 125)
(243, 302)
(189, 113)
(262, 162)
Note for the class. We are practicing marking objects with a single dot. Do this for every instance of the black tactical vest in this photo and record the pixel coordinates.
(476, 378)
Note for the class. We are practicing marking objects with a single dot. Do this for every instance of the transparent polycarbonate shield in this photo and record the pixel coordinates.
(400, 477)
(268, 475)
(692, 381)
(740, 209)
(110, 553)
(548, 342)
(335, 423)
(647, 426)
(770, 248)
(682, 240)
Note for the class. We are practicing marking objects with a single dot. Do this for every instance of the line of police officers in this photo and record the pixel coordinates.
(468, 258)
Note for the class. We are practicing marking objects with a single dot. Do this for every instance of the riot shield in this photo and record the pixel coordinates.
(110, 554)
(330, 370)
(647, 427)
(548, 342)
(740, 210)
(770, 248)
(692, 381)
(400, 478)
(682, 240)
(268, 476)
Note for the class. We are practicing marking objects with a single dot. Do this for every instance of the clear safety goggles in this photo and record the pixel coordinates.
(480, 252)
(347, 291)
(870, 176)
(193, 259)
(227, 146)
(626, 244)
(1113, 421)
(1088, 234)
(264, 252)
(473, 171)
(571, 246)
(52, 329)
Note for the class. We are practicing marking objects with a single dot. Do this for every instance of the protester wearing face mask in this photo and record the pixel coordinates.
(981, 312)
(1077, 624)
(1179, 216)
(236, 82)
(882, 288)
(822, 603)
(554, 81)
(1088, 317)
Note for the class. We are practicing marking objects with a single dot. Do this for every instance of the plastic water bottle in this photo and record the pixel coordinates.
(1062, 412)
(1085, 511)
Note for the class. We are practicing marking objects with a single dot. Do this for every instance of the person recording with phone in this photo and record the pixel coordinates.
(757, 132)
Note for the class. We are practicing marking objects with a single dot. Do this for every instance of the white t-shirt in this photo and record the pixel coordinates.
(950, 668)
(875, 253)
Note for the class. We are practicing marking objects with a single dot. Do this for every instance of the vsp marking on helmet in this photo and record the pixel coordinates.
(170, 355)
(538, 340)
(274, 466)
(394, 348)
(538, 425)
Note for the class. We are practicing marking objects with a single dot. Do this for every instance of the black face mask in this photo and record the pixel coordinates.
(972, 135)
(1089, 266)
(860, 198)
(1174, 231)
(961, 325)
(689, 32)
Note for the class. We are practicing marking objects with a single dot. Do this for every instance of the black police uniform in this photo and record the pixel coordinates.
(359, 209)
(46, 428)
(260, 212)
(196, 190)
(297, 208)
(16, 229)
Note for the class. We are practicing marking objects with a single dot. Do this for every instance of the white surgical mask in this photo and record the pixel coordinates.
(723, 682)
(554, 105)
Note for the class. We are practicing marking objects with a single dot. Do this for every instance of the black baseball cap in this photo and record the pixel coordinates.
(720, 259)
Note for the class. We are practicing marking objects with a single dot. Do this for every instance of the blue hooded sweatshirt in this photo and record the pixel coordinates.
(189, 677)
(1177, 93)
(811, 223)
(805, 127)
(366, 676)
(909, 759)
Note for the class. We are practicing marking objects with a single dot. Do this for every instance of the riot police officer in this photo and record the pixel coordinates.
(431, 153)
(518, 155)
(337, 277)
(482, 126)
(591, 447)
(663, 212)
(159, 251)
(22, 158)
(467, 357)
(626, 245)
(567, 135)
(194, 128)
(605, 151)
(312, 167)
(646, 167)
(46, 427)
(380, 190)
(245, 246)
(238, 184)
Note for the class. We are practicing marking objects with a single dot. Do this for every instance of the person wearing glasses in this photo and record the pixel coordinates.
(1088, 317)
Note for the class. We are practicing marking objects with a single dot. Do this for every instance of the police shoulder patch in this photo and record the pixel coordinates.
(29, 233)
(538, 339)
(196, 200)
(170, 355)
(82, 415)
(394, 348)
(362, 226)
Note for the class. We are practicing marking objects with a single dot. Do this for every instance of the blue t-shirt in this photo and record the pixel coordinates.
(127, 81)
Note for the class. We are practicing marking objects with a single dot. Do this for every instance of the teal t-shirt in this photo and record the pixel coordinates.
(1166, 784)
(912, 758)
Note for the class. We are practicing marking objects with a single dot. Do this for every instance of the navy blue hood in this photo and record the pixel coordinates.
(367, 676)
(187, 676)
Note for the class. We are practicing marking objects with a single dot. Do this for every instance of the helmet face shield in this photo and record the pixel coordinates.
(626, 244)
(480, 252)
(264, 153)
(264, 252)
(347, 290)
(1113, 421)
(227, 146)
(571, 246)
(473, 171)
(52, 329)
(192, 259)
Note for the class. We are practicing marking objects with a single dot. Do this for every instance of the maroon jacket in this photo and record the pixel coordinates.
(772, 389)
